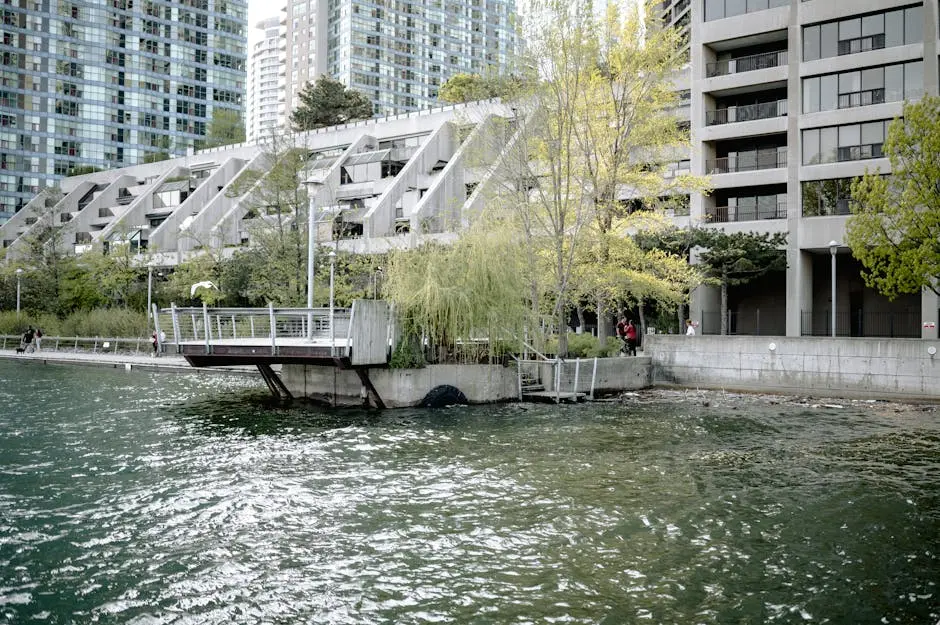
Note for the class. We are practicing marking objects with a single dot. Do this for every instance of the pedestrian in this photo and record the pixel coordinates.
(28, 337)
(622, 334)
(156, 344)
(37, 339)
(689, 328)
(630, 333)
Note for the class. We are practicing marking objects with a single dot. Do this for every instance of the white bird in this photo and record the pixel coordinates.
(205, 284)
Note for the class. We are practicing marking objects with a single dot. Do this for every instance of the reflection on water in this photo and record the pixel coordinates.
(129, 497)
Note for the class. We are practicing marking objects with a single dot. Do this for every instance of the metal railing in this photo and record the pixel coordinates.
(747, 161)
(561, 377)
(843, 206)
(861, 98)
(860, 152)
(748, 63)
(757, 322)
(83, 344)
(862, 324)
(268, 326)
(729, 214)
(861, 44)
(745, 113)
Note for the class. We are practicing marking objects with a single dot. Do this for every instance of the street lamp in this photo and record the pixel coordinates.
(332, 274)
(150, 292)
(833, 246)
(375, 280)
(19, 272)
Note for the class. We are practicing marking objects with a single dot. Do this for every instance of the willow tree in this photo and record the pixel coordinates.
(471, 288)
(596, 124)
(895, 226)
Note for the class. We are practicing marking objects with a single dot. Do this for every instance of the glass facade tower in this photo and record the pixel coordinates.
(110, 83)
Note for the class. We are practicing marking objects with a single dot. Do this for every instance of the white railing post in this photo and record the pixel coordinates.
(273, 328)
(577, 372)
(593, 378)
(206, 327)
(557, 380)
(251, 324)
(519, 377)
(176, 325)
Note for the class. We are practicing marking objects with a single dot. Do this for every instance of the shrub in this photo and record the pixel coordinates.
(407, 355)
(10, 323)
(116, 322)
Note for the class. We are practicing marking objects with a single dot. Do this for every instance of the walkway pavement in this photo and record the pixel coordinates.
(165, 362)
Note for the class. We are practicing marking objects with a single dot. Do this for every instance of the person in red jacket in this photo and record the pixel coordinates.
(630, 333)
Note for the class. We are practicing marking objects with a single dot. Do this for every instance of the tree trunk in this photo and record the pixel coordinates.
(681, 313)
(724, 303)
(562, 329)
(603, 321)
(642, 314)
(580, 311)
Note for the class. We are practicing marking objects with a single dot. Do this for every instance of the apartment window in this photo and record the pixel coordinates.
(860, 34)
(851, 142)
(719, 9)
(874, 85)
(827, 197)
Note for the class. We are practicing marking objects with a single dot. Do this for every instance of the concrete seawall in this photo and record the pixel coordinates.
(853, 367)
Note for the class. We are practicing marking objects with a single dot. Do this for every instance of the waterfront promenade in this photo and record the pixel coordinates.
(141, 361)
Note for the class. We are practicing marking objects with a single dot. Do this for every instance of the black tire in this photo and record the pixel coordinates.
(443, 395)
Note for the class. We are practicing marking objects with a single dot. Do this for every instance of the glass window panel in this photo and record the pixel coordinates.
(829, 46)
(894, 28)
(850, 29)
(811, 95)
(913, 80)
(829, 92)
(894, 83)
(828, 143)
(811, 146)
(756, 5)
(873, 25)
(873, 132)
(873, 78)
(735, 7)
(811, 43)
(849, 135)
(913, 25)
(850, 82)
(715, 10)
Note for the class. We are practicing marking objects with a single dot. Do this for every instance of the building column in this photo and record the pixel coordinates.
(799, 289)
(799, 263)
(929, 303)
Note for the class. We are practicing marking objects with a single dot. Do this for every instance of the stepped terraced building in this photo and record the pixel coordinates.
(787, 101)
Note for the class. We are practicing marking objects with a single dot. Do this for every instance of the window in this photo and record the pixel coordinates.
(851, 142)
(874, 85)
(860, 34)
(827, 197)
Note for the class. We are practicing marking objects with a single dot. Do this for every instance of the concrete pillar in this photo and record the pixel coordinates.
(697, 107)
(799, 263)
(930, 47)
(929, 303)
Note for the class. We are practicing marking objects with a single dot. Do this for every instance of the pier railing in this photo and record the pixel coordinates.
(268, 326)
(83, 344)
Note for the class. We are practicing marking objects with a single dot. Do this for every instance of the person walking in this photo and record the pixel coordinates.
(689, 328)
(630, 333)
(622, 334)
(37, 338)
(28, 337)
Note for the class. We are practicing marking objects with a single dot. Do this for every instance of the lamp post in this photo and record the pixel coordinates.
(19, 272)
(375, 279)
(332, 274)
(833, 246)
(314, 189)
(150, 293)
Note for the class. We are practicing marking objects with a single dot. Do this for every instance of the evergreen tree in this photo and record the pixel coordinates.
(328, 102)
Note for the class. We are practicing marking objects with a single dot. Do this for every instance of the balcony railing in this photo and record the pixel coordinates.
(861, 323)
(747, 161)
(861, 98)
(842, 206)
(861, 152)
(861, 44)
(746, 63)
(730, 214)
(748, 112)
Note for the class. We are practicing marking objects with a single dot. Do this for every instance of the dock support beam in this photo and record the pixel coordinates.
(274, 382)
(363, 374)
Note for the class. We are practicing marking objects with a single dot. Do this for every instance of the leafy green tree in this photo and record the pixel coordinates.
(895, 226)
(471, 87)
(739, 257)
(226, 128)
(328, 102)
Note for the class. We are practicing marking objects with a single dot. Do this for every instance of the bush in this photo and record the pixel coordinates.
(587, 346)
(407, 355)
(117, 322)
(10, 323)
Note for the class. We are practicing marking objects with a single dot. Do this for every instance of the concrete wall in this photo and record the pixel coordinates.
(401, 387)
(874, 368)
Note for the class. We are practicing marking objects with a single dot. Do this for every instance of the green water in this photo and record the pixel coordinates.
(139, 498)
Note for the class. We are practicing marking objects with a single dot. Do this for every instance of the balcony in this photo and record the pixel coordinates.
(719, 9)
(861, 98)
(775, 209)
(748, 161)
(745, 113)
(749, 63)
(861, 44)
